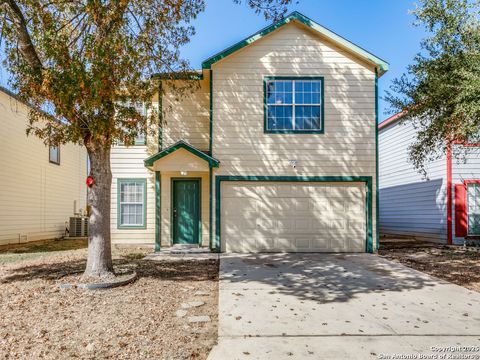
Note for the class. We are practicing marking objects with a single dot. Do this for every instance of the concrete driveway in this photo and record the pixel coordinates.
(326, 306)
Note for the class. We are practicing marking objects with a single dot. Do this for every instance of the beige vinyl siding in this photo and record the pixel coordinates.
(166, 215)
(347, 148)
(37, 197)
(187, 118)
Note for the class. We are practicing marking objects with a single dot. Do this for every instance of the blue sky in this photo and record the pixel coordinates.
(383, 27)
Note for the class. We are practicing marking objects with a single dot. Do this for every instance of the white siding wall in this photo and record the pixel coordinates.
(37, 197)
(409, 204)
(127, 163)
(348, 146)
(465, 166)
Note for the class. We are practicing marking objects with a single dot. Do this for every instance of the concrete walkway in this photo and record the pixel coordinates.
(325, 306)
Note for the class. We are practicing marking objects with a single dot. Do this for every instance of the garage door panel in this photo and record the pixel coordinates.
(337, 205)
(338, 224)
(291, 217)
(303, 226)
(320, 243)
(248, 190)
(320, 205)
(285, 204)
(265, 224)
(303, 190)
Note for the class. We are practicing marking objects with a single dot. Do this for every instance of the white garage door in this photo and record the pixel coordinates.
(293, 217)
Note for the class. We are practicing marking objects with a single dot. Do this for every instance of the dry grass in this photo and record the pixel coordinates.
(137, 321)
(450, 263)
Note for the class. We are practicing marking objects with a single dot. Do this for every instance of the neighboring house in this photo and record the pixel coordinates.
(275, 151)
(443, 207)
(42, 185)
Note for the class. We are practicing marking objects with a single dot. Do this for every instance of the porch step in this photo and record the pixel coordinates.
(186, 249)
(185, 246)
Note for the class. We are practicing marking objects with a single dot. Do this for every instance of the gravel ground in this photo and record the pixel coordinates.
(137, 321)
(450, 263)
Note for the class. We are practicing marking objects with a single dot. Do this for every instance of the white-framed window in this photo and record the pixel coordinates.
(294, 104)
(54, 154)
(473, 208)
(132, 203)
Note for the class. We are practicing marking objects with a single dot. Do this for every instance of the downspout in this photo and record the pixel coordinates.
(210, 174)
(449, 193)
(158, 205)
(210, 208)
(158, 208)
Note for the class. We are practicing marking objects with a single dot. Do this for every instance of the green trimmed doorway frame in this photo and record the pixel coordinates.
(367, 180)
(173, 180)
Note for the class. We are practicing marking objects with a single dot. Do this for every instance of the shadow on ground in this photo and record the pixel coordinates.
(53, 269)
(323, 278)
(451, 263)
(44, 246)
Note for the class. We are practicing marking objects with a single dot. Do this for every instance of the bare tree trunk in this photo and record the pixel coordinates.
(99, 262)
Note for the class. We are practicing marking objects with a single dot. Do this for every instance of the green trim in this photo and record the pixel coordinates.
(210, 145)
(377, 201)
(158, 212)
(210, 204)
(296, 16)
(181, 145)
(160, 116)
(132, 227)
(192, 75)
(365, 179)
(210, 175)
(265, 105)
(199, 181)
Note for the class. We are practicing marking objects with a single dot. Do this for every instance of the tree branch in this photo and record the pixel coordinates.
(25, 44)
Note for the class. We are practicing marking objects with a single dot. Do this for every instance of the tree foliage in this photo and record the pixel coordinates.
(86, 64)
(440, 93)
(89, 58)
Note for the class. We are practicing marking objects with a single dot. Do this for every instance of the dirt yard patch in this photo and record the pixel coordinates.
(137, 321)
(450, 263)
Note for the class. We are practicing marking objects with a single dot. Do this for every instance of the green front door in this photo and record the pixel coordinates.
(186, 211)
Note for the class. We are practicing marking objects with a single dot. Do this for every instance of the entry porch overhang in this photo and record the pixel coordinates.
(181, 156)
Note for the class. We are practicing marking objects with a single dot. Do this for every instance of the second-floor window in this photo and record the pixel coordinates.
(54, 154)
(294, 105)
(140, 139)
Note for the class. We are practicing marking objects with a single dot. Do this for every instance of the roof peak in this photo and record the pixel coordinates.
(379, 63)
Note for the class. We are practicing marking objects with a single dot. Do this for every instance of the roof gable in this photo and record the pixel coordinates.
(382, 65)
(212, 162)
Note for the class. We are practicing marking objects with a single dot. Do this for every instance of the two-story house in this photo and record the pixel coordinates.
(43, 185)
(444, 206)
(274, 151)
